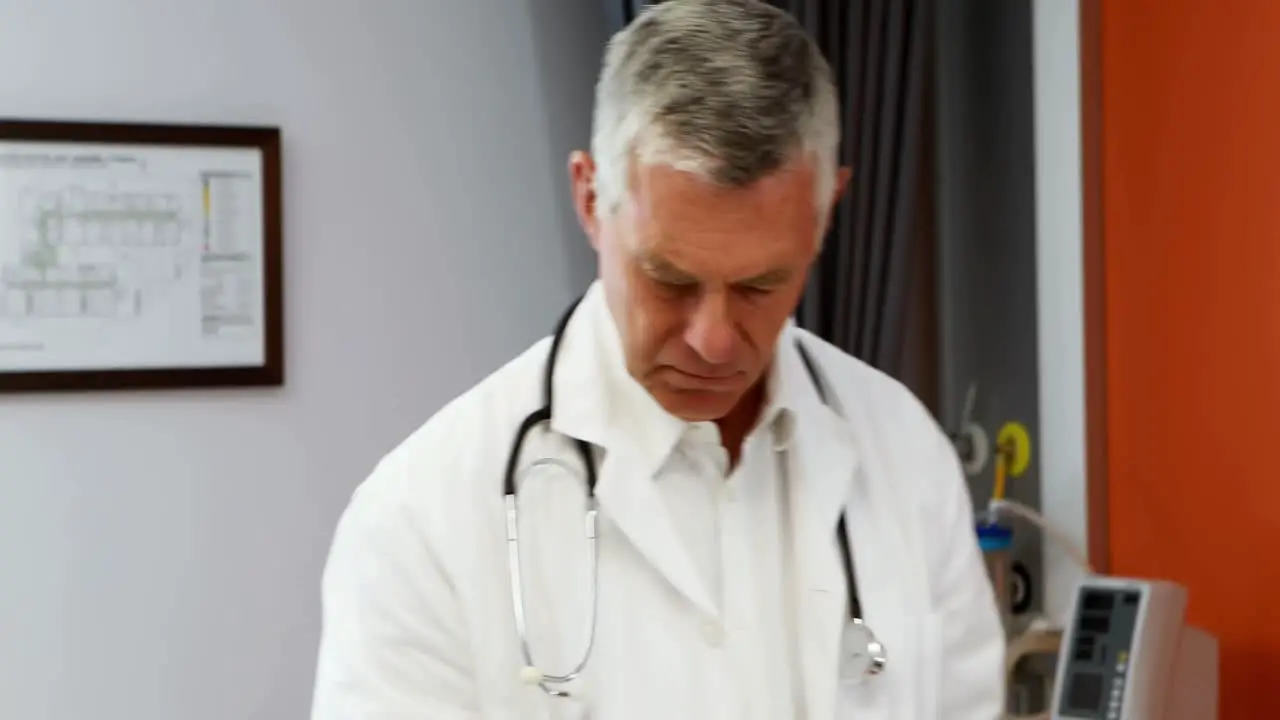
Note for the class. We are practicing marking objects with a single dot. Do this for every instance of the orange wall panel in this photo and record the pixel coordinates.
(1190, 133)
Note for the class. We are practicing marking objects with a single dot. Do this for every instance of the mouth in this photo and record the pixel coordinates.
(693, 381)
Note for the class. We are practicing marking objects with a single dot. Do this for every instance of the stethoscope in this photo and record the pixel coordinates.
(862, 654)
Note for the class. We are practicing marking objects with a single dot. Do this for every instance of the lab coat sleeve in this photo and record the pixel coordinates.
(391, 645)
(972, 685)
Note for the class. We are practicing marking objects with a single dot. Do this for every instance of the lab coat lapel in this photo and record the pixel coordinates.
(629, 498)
(835, 471)
(829, 477)
(821, 463)
(587, 407)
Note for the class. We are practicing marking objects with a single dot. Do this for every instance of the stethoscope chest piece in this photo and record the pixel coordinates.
(861, 653)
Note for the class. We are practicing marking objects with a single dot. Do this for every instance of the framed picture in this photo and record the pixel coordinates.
(139, 256)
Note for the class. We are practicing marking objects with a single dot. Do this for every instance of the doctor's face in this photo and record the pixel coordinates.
(701, 279)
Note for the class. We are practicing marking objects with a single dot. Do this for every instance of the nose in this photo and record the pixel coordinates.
(710, 330)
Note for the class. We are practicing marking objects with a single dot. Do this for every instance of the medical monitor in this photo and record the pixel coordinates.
(1127, 654)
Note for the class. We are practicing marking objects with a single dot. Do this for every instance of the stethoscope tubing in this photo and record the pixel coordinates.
(512, 520)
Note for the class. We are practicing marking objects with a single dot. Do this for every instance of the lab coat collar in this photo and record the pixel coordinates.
(581, 407)
(598, 402)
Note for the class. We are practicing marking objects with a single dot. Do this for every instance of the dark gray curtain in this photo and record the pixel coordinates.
(619, 13)
(872, 291)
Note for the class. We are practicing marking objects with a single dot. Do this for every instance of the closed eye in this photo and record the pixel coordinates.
(678, 288)
(763, 284)
(668, 276)
(756, 289)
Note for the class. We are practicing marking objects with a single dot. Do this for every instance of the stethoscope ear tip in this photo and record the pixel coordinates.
(530, 675)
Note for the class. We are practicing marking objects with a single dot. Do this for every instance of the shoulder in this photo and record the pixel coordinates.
(511, 391)
(440, 464)
(869, 394)
(897, 435)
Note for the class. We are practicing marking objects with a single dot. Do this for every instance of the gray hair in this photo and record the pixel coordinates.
(729, 89)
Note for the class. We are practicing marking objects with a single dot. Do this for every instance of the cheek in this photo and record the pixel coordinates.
(656, 324)
(762, 319)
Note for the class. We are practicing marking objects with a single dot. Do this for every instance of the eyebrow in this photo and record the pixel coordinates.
(776, 276)
(666, 271)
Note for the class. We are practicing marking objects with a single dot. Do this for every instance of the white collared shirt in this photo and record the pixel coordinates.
(732, 527)
(731, 523)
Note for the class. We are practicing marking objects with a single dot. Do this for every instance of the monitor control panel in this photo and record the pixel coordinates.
(1095, 659)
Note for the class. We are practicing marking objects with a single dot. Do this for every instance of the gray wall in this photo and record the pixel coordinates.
(160, 552)
(987, 227)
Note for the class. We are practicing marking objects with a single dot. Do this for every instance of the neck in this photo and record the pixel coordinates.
(735, 426)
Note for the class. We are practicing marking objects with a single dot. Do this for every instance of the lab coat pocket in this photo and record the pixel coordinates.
(570, 709)
(865, 700)
(928, 679)
(908, 689)
(556, 708)
(534, 704)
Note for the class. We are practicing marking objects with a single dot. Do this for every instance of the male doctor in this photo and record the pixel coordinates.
(726, 469)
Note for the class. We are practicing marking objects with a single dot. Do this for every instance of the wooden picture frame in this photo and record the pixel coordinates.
(139, 256)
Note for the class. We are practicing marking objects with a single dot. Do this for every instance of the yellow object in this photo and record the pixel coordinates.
(1001, 475)
(1014, 442)
(1013, 456)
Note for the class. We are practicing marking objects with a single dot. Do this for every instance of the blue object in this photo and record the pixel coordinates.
(993, 537)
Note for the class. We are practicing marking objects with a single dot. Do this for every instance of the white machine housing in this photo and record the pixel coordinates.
(1128, 654)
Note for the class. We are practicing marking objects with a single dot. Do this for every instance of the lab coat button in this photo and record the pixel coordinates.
(712, 634)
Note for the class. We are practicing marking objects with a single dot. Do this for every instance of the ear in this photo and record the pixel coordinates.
(843, 176)
(582, 179)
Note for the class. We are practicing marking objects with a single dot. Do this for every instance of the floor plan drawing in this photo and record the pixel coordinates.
(134, 259)
(83, 253)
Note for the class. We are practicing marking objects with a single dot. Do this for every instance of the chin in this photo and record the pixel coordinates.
(698, 405)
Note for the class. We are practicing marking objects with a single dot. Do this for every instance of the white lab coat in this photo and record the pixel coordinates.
(417, 601)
